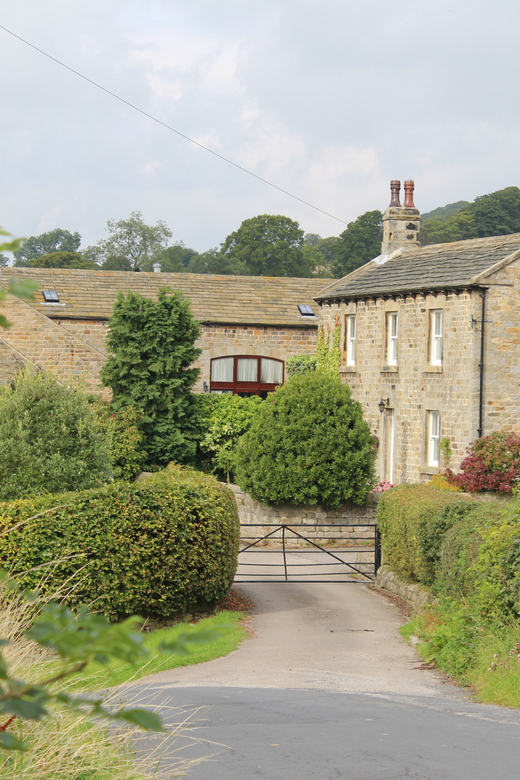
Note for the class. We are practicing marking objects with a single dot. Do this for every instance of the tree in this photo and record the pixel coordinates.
(225, 418)
(492, 463)
(57, 240)
(311, 239)
(131, 242)
(300, 364)
(442, 213)
(267, 246)
(308, 444)
(214, 262)
(49, 439)
(359, 243)
(320, 254)
(496, 214)
(458, 227)
(63, 260)
(174, 259)
(4, 260)
(152, 349)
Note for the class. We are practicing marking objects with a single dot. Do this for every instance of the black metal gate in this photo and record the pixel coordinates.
(293, 553)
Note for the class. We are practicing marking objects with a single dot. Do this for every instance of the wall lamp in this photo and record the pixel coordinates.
(205, 387)
(383, 403)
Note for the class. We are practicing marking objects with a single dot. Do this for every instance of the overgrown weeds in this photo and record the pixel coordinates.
(484, 656)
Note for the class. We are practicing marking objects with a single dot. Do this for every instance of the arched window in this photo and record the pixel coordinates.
(246, 375)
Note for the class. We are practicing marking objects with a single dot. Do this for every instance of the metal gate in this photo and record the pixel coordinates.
(293, 553)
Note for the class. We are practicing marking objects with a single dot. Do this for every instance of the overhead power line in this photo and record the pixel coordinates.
(167, 126)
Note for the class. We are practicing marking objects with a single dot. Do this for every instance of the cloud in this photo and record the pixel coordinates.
(328, 100)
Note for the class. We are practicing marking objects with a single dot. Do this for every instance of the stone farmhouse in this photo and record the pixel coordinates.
(430, 342)
(251, 325)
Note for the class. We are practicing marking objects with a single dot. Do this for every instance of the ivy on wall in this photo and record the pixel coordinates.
(328, 350)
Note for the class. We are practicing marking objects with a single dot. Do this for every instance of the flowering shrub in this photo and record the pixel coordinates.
(382, 486)
(492, 464)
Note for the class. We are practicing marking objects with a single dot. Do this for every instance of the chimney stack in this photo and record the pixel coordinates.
(157, 267)
(401, 224)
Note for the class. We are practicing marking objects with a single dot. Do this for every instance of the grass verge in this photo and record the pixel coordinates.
(483, 656)
(96, 676)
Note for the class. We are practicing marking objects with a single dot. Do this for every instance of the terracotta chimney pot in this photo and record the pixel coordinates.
(408, 194)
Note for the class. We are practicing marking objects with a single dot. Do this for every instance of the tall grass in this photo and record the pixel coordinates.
(65, 745)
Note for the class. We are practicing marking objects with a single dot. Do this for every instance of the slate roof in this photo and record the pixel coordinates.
(214, 299)
(436, 267)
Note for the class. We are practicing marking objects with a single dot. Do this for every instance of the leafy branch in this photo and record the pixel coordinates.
(79, 639)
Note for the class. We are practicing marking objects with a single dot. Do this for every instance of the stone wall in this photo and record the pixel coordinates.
(266, 340)
(253, 512)
(75, 348)
(502, 351)
(414, 386)
(45, 343)
(388, 580)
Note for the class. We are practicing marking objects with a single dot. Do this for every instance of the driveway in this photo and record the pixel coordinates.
(326, 688)
(326, 636)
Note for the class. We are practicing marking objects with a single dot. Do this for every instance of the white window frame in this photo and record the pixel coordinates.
(436, 337)
(434, 439)
(351, 339)
(392, 325)
(389, 444)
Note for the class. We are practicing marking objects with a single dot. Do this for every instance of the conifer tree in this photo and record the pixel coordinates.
(152, 350)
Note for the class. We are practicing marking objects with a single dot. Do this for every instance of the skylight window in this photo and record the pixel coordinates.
(50, 296)
(305, 310)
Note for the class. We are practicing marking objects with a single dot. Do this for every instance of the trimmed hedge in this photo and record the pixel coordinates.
(413, 520)
(460, 549)
(158, 549)
(497, 567)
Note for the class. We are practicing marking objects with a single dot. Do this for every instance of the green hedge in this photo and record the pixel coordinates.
(460, 549)
(413, 520)
(497, 567)
(161, 548)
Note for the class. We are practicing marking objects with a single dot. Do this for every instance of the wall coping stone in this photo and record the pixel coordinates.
(387, 579)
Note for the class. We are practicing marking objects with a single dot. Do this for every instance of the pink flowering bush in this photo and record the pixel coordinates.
(382, 486)
(492, 464)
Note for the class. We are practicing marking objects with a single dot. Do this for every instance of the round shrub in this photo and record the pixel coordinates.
(413, 520)
(160, 548)
(49, 439)
(308, 444)
(492, 464)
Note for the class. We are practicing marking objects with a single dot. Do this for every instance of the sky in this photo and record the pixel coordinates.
(326, 100)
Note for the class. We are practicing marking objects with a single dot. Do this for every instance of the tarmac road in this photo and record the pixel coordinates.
(326, 688)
